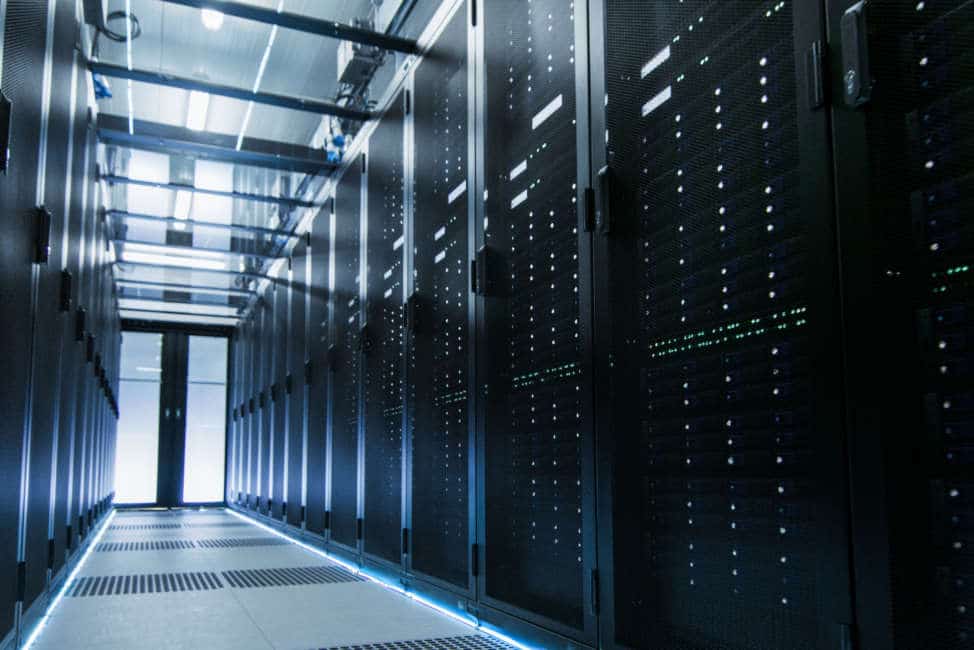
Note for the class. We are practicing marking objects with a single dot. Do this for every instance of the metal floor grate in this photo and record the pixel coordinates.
(309, 575)
(151, 545)
(234, 542)
(150, 583)
(472, 642)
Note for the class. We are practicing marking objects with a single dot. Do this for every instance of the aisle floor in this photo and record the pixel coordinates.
(208, 579)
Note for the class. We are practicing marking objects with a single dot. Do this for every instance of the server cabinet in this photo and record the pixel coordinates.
(266, 316)
(903, 90)
(279, 403)
(345, 352)
(295, 384)
(537, 461)
(382, 379)
(46, 328)
(439, 316)
(719, 352)
(316, 375)
(24, 45)
(253, 417)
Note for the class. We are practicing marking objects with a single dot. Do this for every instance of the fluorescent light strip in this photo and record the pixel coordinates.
(382, 583)
(67, 583)
(196, 109)
(167, 250)
(190, 263)
(260, 75)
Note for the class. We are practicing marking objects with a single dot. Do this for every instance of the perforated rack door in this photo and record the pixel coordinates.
(383, 365)
(267, 342)
(278, 399)
(439, 350)
(318, 342)
(537, 393)
(345, 361)
(722, 356)
(905, 176)
(295, 368)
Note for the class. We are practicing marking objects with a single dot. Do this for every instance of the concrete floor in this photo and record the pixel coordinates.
(231, 584)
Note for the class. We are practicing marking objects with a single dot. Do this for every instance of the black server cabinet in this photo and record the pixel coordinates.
(295, 384)
(316, 375)
(278, 401)
(439, 316)
(24, 45)
(382, 378)
(46, 329)
(534, 376)
(722, 515)
(250, 391)
(903, 101)
(266, 316)
(345, 358)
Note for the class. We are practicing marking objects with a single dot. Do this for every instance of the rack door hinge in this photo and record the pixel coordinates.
(595, 591)
(79, 324)
(327, 519)
(359, 525)
(65, 302)
(589, 209)
(364, 164)
(21, 580)
(407, 102)
(42, 235)
(473, 13)
(283, 509)
(405, 541)
(303, 513)
(603, 218)
(474, 560)
(409, 312)
(815, 73)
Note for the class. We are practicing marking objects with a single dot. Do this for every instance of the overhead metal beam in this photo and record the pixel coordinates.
(192, 249)
(256, 230)
(305, 104)
(307, 24)
(175, 187)
(190, 269)
(164, 138)
(184, 288)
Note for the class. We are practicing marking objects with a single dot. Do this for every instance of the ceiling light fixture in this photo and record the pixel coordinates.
(212, 19)
(173, 260)
(199, 103)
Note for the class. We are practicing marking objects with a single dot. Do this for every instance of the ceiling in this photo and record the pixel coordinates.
(198, 255)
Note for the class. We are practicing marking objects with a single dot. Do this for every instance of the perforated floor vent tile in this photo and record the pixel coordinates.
(151, 583)
(472, 642)
(169, 526)
(152, 545)
(311, 575)
(234, 542)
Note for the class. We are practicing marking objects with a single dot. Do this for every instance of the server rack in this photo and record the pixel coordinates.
(316, 369)
(295, 384)
(382, 345)
(902, 142)
(719, 377)
(279, 397)
(439, 319)
(265, 378)
(536, 538)
(345, 361)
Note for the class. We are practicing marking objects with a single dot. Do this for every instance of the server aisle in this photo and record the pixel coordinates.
(210, 579)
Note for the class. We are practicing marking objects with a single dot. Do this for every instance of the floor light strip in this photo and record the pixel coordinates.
(379, 581)
(39, 627)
